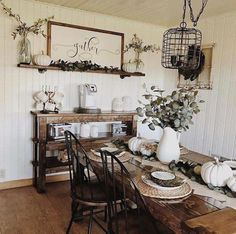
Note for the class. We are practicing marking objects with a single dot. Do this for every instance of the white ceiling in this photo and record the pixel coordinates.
(161, 12)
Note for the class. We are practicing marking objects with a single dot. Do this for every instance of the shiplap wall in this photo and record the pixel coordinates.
(214, 131)
(18, 85)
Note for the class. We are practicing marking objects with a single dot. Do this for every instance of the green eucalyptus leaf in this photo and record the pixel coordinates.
(144, 121)
(175, 105)
(155, 122)
(149, 114)
(173, 93)
(140, 112)
(177, 123)
(193, 105)
(159, 101)
(147, 96)
(148, 107)
(151, 126)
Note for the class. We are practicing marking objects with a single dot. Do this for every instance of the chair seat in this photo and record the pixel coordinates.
(136, 223)
(91, 194)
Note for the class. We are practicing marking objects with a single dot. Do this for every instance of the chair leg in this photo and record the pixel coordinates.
(90, 222)
(105, 214)
(74, 207)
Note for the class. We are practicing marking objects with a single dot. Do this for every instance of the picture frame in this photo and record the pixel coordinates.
(82, 43)
(204, 80)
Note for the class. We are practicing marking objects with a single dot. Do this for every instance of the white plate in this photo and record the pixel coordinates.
(232, 164)
(109, 149)
(163, 175)
(157, 186)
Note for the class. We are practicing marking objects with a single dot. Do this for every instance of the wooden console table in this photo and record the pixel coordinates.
(43, 165)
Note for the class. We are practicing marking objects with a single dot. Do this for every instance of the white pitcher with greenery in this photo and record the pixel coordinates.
(173, 113)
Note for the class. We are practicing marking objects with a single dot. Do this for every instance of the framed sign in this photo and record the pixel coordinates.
(204, 80)
(75, 43)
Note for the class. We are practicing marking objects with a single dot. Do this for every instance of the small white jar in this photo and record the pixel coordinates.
(117, 104)
(127, 103)
(84, 130)
(94, 131)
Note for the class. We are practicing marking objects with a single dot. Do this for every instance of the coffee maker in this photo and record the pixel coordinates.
(87, 99)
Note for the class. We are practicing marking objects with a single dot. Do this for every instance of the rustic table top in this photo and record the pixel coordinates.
(184, 215)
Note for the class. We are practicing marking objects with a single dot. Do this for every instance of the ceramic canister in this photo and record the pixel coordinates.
(127, 103)
(85, 130)
(94, 131)
(117, 104)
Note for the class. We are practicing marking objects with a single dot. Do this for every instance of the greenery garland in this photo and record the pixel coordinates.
(81, 66)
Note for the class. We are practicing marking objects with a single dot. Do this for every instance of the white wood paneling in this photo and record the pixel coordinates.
(18, 85)
(214, 131)
(161, 12)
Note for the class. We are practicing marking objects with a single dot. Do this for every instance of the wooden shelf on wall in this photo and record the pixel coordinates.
(120, 73)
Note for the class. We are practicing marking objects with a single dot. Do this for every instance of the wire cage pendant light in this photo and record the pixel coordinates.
(181, 46)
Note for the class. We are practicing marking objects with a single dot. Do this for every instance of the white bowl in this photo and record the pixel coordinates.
(163, 175)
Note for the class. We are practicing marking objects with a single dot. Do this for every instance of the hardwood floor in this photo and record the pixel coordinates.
(24, 211)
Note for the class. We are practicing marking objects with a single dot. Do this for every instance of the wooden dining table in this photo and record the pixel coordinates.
(193, 214)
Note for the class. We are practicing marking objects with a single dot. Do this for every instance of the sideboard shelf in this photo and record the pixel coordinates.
(46, 150)
(120, 73)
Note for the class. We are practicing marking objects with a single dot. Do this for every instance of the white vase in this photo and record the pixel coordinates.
(117, 104)
(168, 148)
(84, 130)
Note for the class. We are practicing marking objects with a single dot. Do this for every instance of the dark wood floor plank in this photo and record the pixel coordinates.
(24, 211)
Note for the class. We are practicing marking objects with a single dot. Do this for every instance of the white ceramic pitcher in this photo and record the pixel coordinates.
(168, 148)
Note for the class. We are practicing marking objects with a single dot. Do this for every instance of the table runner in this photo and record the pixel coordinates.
(199, 189)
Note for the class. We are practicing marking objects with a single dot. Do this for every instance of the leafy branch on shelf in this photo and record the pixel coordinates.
(138, 46)
(22, 28)
(81, 66)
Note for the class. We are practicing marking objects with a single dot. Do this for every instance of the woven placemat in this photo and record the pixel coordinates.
(150, 191)
(123, 158)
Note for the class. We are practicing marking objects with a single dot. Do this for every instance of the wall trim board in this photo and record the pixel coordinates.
(29, 182)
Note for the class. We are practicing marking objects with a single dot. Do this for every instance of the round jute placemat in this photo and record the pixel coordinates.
(173, 193)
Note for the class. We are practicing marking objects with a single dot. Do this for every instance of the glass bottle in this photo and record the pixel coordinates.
(24, 50)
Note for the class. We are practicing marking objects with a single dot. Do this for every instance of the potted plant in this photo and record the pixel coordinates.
(138, 47)
(173, 113)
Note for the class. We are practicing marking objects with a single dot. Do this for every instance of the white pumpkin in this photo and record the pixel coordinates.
(135, 144)
(231, 183)
(129, 67)
(42, 59)
(216, 173)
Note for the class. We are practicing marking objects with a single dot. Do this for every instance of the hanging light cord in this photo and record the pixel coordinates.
(193, 19)
(183, 23)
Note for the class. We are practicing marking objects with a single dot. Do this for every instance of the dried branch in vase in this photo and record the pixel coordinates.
(137, 46)
(23, 29)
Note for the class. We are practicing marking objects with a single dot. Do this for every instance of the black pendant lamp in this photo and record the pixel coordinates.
(182, 46)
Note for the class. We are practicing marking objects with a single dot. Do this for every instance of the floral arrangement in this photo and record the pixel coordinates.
(23, 29)
(137, 45)
(175, 110)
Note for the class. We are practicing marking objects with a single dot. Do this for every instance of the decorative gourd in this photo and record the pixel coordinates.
(216, 173)
(231, 183)
(129, 67)
(148, 149)
(42, 59)
(135, 144)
